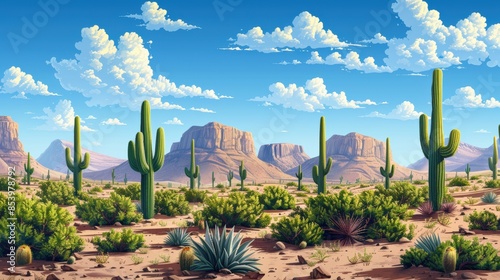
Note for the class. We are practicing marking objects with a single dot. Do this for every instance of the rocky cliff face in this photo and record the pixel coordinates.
(355, 156)
(9, 141)
(282, 155)
(219, 148)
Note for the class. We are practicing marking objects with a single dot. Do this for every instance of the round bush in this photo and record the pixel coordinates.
(171, 203)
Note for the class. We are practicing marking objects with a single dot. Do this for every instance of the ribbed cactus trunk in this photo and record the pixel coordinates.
(230, 177)
(388, 172)
(194, 170)
(113, 177)
(140, 158)
(492, 161)
(319, 172)
(433, 146)
(77, 165)
(213, 180)
(467, 171)
(29, 170)
(299, 177)
(243, 175)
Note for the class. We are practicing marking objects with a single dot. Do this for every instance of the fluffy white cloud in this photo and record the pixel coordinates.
(482, 131)
(174, 121)
(294, 62)
(466, 97)
(112, 121)
(61, 118)
(404, 111)
(225, 97)
(351, 62)
(90, 117)
(14, 80)
(267, 104)
(120, 74)
(313, 97)
(306, 31)
(366, 102)
(203, 110)
(377, 39)
(156, 18)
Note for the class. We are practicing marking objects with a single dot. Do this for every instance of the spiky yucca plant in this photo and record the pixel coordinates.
(425, 208)
(449, 207)
(223, 250)
(178, 237)
(428, 242)
(490, 198)
(350, 229)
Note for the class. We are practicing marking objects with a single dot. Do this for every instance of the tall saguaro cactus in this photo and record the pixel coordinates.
(140, 158)
(243, 175)
(194, 169)
(320, 171)
(29, 170)
(388, 172)
(411, 177)
(433, 146)
(48, 174)
(467, 171)
(213, 180)
(230, 176)
(299, 177)
(113, 177)
(492, 161)
(77, 165)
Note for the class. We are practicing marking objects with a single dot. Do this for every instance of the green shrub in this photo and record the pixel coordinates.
(391, 229)
(58, 193)
(194, 195)
(124, 241)
(43, 226)
(484, 220)
(220, 186)
(237, 209)
(295, 229)
(404, 193)
(108, 186)
(171, 203)
(6, 182)
(107, 211)
(95, 190)
(470, 255)
(474, 177)
(132, 191)
(277, 198)
(458, 182)
(492, 184)
(291, 184)
(419, 182)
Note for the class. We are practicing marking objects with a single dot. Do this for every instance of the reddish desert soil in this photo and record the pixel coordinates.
(274, 264)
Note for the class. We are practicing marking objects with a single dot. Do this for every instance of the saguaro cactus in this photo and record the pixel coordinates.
(67, 175)
(194, 169)
(243, 175)
(113, 177)
(411, 176)
(299, 176)
(433, 146)
(125, 180)
(230, 176)
(213, 180)
(140, 158)
(341, 178)
(467, 171)
(388, 172)
(492, 161)
(77, 165)
(199, 181)
(320, 171)
(29, 170)
(48, 174)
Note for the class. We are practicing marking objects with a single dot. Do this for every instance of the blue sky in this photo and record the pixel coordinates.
(268, 68)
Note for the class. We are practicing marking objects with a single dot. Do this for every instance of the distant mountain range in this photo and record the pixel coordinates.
(475, 156)
(54, 158)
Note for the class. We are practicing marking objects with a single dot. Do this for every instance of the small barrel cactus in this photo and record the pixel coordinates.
(71, 260)
(187, 258)
(303, 245)
(23, 255)
(449, 259)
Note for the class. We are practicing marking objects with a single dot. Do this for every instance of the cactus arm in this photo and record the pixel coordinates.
(450, 149)
(187, 172)
(197, 172)
(382, 171)
(69, 160)
(159, 150)
(328, 165)
(491, 164)
(424, 138)
(140, 154)
(86, 161)
(315, 174)
(244, 174)
(392, 171)
(132, 160)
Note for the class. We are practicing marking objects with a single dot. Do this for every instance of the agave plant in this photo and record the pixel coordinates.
(490, 198)
(425, 208)
(223, 250)
(428, 242)
(349, 229)
(448, 207)
(178, 237)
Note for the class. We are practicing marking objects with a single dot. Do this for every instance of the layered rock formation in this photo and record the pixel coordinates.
(54, 158)
(219, 148)
(283, 155)
(355, 156)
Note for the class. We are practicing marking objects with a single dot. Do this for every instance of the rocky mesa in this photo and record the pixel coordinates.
(285, 156)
